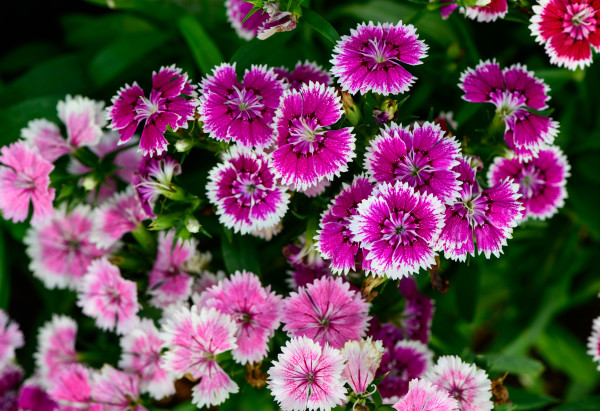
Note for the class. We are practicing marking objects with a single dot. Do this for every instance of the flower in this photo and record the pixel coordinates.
(594, 341)
(422, 157)
(489, 215)
(154, 178)
(307, 375)
(56, 346)
(568, 30)
(399, 228)
(303, 73)
(24, 178)
(244, 190)
(278, 22)
(418, 312)
(487, 12)
(46, 137)
(362, 361)
(466, 383)
(11, 338)
(117, 390)
(242, 112)
(237, 10)
(333, 240)
(307, 152)
(10, 379)
(33, 397)
(424, 396)
(72, 388)
(306, 262)
(108, 298)
(541, 181)
(167, 105)
(327, 311)
(61, 248)
(369, 59)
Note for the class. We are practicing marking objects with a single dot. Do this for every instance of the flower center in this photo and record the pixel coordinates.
(147, 107)
(400, 228)
(305, 135)
(579, 21)
(24, 181)
(245, 104)
(507, 103)
(248, 189)
(531, 182)
(378, 53)
(413, 169)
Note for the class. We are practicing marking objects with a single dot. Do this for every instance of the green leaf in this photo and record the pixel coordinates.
(205, 52)
(515, 364)
(164, 222)
(240, 254)
(526, 400)
(16, 117)
(466, 286)
(321, 25)
(586, 404)
(380, 11)
(505, 407)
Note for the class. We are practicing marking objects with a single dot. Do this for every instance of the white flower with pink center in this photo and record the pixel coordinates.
(56, 346)
(362, 361)
(11, 338)
(116, 390)
(594, 342)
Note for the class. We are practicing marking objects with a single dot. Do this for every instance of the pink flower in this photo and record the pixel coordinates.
(307, 375)
(117, 390)
(169, 104)
(303, 73)
(362, 361)
(108, 298)
(594, 341)
(72, 388)
(307, 150)
(10, 379)
(369, 59)
(424, 396)
(466, 383)
(568, 29)
(418, 312)
(46, 136)
(33, 397)
(327, 311)
(56, 346)
(153, 179)
(11, 338)
(488, 12)
(25, 178)
(256, 311)
(242, 112)
(237, 10)
(306, 262)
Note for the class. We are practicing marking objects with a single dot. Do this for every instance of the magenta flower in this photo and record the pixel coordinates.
(307, 375)
(11, 376)
(568, 30)
(46, 137)
(513, 91)
(237, 10)
(33, 397)
(424, 396)
(399, 228)
(418, 312)
(422, 156)
(362, 361)
(117, 390)
(369, 59)
(25, 178)
(169, 104)
(489, 215)
(466, 383)
(307, 151)
(306, 262)
(333, 240)
(11, 338)
(594, 341)
(278, 21)
(56, 346)
(72, 388)
(327, 311)
(256, 311)
(242, 112)
(108, 298)
(541, 181)
(303, 73)
(488, 12)
(244, 190)
(153, 179)
(61, 248)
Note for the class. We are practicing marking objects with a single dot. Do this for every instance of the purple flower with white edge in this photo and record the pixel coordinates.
(399, 228)
(369, 59)
(11, 338)
(154, 178)
(72, 389)
(487, 12)
(362, 361)
(242, 112)
(593, 344)
(424, 396)
(117, 390)
(421, 155)
(307, 150)
(303, 73)
(56, 346)
(542, 181)
(416, 318)
(237, 10)
(244, 190)
(10, 379)
(278, 22)
(306, 262)
(168, 104)
(488, 215)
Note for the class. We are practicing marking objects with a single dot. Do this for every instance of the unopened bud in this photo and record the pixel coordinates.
(386, 111)
(192, 225)
(89, 183)
(183, 145)
(351, 110)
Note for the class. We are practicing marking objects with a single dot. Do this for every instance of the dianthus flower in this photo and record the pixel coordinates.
(25, 178)
(10, 379)
(242, 112)
(303, 73)
(61, 248)
(362, 361)
(72, 389)
(418, 312)
(237, 10)
(154, 178)
(489, 215)
(194, 338)
(568, 29)
(307, 375)
(169, 104)
(541, 181)
(33, 397)
(421, 156)
(278, 21)
(424, 396)
(513, 91)
(108, 298)
(399, 228)
(255, 309)
(466, 383)
(117, 390)
(307, 264)
(334, 239)
(327, 311)
(244, 190)
(369, 59)
(594, 342)
(307, 152)
(11, 338)
(484, 11)
(56, 346)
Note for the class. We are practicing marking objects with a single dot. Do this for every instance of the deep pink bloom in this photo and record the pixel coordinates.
(424, 396)
(255, 309)
(327, 311)
(307, 375)
(362, 361)
(11, 338)
(303, 73)
(25, 178)
(46, 136)
(72, 389)
(422, 156)
(33, 397)
(369, 58)
(334, 239)
(594, 342)
(307, 151)
(568, 29)
(541, 181)
(108, 298)
(278, 21)
(306, 262)
(237, 10)
(10, 379)
(399, 228)
(242, 112)
(117, 390)
(169, 104)
(488, 215)
(493, 10)
(56, 346)
(154, 178)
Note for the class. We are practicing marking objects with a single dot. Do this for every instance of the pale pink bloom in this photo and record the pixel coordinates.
(214, 388)
(594, 341)
(11, 338)
(117, 390)
(83, 118)
(363, 358)
(109, 298)
(56, 346)
(307, 376)
(72, 389)
(424, 396)
(206, 280)
(46, 136)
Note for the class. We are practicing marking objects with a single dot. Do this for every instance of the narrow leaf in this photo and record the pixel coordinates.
(204, 50)
(320, 25)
